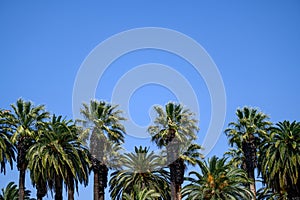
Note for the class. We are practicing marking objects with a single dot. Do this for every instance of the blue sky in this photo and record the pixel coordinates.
(254, 44)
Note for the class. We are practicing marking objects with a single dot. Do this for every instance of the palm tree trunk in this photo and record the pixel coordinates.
(178, 191)
(21, 164)
(102, 181)
(96, 184)
(252, 185)
(22, 181)
(58, 188)
(177, 178)
(250, 174)
(70, 189)
(41, 189)
(173, 191)
(175, 166)
(71, 194)
(293, 190)
(38, 196)
(250, 164)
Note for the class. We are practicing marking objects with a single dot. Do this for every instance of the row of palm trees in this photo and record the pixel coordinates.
(59, 152)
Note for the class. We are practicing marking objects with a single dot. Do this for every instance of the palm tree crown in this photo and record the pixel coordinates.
(280, 158)
(174, 117)
(140, 170)
(58, 155)
(104, 121)
(217, 180)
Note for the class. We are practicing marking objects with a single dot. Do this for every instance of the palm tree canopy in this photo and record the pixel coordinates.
(246, 133)
(104, 128)
(25, 121)
(217, 180)
(174, 128)
(280, 157)
(105, 119)
(176, 118)
(142, 169)
(10, 192)
(7, 150)
(58, 151)
(26, 118)
(249, 122)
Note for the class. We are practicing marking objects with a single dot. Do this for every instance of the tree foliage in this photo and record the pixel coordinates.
(280, 159)
(217, 180)
(140, 170)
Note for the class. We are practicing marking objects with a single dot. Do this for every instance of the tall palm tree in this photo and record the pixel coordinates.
(217, 180)
(11, 192)
(280, 166)
(245, 135)
(7, 151)
(58, 156)
(174, 128)
(141, 170)
(104, 121)
(25, 121)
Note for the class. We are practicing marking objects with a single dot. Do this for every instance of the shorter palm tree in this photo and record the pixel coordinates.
(280, 166)
(217, 180)
(58, 156)
(11, 192)
(141, 169)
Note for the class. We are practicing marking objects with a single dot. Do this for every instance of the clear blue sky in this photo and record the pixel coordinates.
(255, 45)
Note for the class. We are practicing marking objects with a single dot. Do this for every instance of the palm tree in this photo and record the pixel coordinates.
(174, 128)
(104, 121)
(58, 156)
(24, 121)
(141, 194)
(245, 135)
(141, 170)
(280, 166)
(11, 193)
(7, 151)
(217, 180)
